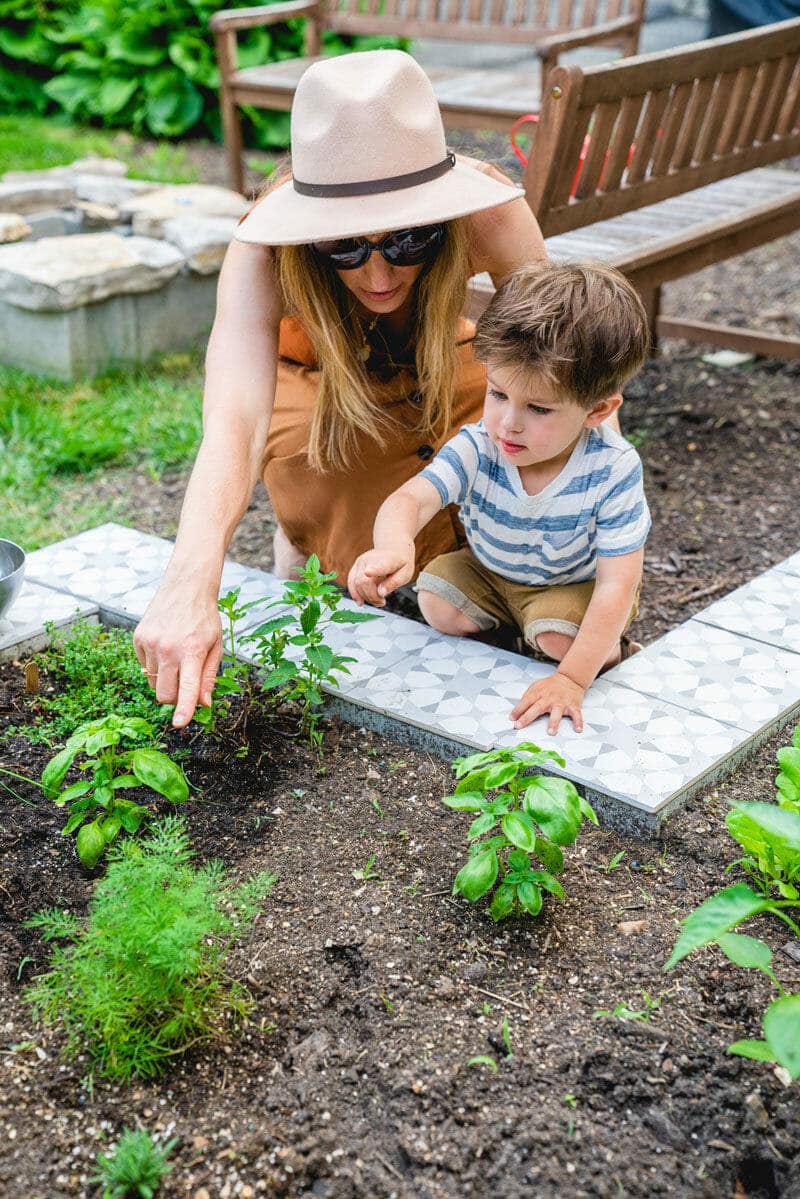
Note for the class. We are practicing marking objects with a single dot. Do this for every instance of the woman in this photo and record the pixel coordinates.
(367, 249)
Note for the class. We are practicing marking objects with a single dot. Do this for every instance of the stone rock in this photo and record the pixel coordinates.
(202, 240)
(104, 189)
(60, 273)
(186, 199)
(12, 227)
(81, 166)
(96, 216)
(35, 195)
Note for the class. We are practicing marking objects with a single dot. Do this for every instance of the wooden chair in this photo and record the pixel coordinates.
(483, 99)
(664, 164)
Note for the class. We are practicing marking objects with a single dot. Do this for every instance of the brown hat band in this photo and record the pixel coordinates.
(371, 187)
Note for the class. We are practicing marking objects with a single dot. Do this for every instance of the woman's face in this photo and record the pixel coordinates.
(379, 287)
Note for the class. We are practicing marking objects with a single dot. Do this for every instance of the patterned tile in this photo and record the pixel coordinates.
(789, 566)
(34, 606)
(766, 609)
(101, 564)
(129, 607)
(716, 673)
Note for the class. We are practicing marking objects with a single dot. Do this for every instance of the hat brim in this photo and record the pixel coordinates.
(284, 217)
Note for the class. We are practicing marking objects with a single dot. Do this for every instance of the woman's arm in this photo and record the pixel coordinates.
(504, 238)
(179, 639)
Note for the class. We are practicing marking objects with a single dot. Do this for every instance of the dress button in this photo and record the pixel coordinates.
(425, 452)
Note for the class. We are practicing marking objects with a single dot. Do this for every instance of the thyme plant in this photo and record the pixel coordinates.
(135, 1167)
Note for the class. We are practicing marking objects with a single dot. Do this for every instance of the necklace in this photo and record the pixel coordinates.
(366, 348)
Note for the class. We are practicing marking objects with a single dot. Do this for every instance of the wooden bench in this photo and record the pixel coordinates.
(677, 170)
(483, 99)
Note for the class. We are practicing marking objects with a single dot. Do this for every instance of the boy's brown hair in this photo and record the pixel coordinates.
(581, 325)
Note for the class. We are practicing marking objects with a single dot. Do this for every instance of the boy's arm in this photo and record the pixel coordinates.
(561, 693)
(402, 515)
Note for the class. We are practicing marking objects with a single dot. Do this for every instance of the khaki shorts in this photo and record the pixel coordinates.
(491, 600)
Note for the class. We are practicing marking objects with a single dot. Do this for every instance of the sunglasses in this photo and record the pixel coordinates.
(406, 247)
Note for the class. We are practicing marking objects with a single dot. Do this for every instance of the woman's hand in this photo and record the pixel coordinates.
(180, 668)
(378, 573)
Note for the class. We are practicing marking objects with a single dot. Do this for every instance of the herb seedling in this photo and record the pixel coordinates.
(614, 863)
(313, 600)
(234, 679)
(144, 976)
(135, 1167)
(537, 814)
(112, 770)
(366, 872)
(483, 1059)
(623, 1012)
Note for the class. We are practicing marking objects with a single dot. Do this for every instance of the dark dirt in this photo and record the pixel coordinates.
(352, 1081)
(353, 1078)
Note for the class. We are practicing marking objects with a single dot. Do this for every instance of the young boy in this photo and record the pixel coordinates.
(549, 493)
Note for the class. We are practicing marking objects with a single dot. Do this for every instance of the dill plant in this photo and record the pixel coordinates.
(135, 1167)
(143, 978)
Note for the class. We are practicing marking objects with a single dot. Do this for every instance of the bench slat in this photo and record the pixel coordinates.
(673, 121)
(790, 114)
(745, 78)
(624, 135)
(646, 136)
(772, 109)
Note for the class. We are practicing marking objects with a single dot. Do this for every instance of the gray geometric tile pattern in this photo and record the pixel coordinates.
(766, 609)
(655, 727)
(716, 673)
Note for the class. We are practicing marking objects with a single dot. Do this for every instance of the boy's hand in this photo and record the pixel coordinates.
(558, 695)
(377, 573)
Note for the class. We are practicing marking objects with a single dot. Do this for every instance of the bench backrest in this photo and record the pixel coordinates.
(475, 20)
(663, 124)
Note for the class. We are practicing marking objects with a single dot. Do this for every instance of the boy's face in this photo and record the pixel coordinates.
(533, 422)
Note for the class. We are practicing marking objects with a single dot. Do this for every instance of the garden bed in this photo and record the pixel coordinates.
(373, 993)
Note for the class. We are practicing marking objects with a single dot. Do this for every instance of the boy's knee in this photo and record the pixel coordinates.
(444, 616)
(555, 645)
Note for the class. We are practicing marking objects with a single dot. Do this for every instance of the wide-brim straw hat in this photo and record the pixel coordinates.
(368, 156)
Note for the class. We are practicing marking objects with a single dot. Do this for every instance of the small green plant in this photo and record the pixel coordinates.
(313, 600)
(96, 671)
(144, 976)
(770, 834)
(537, 814)
(622, 1011)
(233, 680)
(112, 770)
(614, 863)
(365, 873)
(483, 1059)
(135, 1167)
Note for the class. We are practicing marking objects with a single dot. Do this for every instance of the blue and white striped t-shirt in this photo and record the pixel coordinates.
(594, 507)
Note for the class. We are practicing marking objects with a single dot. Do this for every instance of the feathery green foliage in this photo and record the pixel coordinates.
(144, 977)
(135, 1167)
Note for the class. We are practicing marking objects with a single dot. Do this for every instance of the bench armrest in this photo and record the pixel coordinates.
(551, 47)
(231, 19)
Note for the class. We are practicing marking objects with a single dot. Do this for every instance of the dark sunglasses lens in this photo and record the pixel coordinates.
(409, 247)
(346, 253)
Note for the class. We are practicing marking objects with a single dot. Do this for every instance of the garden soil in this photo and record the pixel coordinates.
(353, 1079)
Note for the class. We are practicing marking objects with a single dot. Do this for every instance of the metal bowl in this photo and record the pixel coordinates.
(12, 572)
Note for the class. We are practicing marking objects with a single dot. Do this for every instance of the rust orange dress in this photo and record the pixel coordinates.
(331, 513)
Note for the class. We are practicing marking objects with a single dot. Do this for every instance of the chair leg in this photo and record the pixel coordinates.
(232, 136)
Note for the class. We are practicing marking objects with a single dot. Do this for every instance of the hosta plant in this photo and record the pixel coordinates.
(520, 823)
(143, 977)
(98, 810)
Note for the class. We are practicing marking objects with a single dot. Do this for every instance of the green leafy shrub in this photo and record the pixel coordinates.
(112, 770)
(770, 835)
(144, 976)
(537, 815)
(135, 1167)
(96, 671)
(149, 66)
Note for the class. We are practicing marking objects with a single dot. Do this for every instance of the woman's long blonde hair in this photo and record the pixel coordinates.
(345, 403)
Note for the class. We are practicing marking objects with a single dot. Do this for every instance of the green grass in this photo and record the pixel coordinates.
(29, 143)
(57, 438)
